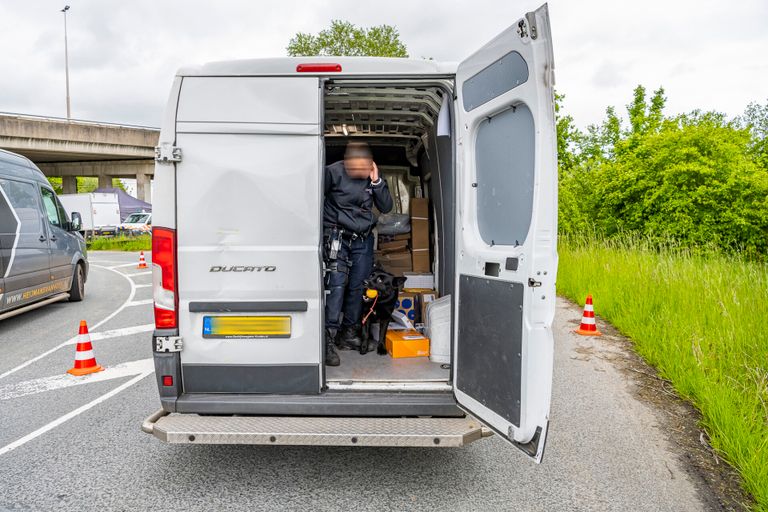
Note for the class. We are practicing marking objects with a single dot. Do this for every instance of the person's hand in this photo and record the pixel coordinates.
(374, 172)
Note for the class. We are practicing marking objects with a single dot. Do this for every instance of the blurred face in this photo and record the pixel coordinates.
(358, 168)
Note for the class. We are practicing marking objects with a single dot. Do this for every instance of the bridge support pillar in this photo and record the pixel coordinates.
(143, 188)
(69, 184)
(105, 181)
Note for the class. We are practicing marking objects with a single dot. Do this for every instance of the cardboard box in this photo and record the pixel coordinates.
(406, 304)
(422, 297)
(396, 263)
(394, 246)
(420, 260)
(408, 343)
(419, 223)
(419, 207)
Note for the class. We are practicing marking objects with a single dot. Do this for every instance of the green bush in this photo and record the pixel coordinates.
(121, 243)
(696, 180)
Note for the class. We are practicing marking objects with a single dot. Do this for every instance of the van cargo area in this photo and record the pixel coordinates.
(398, 119)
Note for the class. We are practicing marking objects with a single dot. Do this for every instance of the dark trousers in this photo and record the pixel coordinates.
(344, 283)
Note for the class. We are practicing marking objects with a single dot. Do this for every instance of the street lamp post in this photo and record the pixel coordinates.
(66, 59)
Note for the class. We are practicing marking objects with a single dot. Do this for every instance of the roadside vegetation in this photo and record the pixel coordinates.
(121, 243)
(664, 220)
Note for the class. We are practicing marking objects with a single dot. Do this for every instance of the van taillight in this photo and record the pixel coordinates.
(164, 286)
(318, 67)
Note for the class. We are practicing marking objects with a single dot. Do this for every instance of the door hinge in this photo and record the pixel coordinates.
(168, 344)
(533, 283)
(531, 17)
(167, 153)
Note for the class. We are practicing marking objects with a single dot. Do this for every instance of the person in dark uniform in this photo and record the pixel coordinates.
(352, 187)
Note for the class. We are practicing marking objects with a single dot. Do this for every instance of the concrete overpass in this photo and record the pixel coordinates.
(73, 148)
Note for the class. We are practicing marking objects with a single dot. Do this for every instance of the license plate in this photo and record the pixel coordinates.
(246, 327)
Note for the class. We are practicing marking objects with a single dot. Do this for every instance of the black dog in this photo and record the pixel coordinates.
(379, 309)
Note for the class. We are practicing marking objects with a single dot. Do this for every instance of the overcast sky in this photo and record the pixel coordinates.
(707, 54)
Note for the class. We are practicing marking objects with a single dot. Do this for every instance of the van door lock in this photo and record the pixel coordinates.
(168, 344)
(533, 283)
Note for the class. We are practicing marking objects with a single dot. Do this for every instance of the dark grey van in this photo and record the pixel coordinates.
(42, 255)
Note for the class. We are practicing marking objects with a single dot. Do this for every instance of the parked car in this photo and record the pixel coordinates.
(43, 257)
(136, 224)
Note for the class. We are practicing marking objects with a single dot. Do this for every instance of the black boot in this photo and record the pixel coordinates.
(349, 338)
(331, 357)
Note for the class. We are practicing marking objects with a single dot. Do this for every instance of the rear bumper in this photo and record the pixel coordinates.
(314, 431)
(330, 403)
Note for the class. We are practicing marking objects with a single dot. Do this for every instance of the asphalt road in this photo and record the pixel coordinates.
(80, 447)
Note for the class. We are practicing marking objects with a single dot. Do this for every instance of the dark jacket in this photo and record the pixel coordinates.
(349, 202)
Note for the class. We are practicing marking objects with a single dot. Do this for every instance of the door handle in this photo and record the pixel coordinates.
(42, 238)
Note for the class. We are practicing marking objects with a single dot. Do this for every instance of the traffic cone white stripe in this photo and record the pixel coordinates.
(84, 355)
(588, 307)
(588, 321)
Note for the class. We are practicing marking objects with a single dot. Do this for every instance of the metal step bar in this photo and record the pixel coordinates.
(30, 307)
(314, 431)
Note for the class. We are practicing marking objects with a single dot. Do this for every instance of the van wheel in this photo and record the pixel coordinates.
(77, 291)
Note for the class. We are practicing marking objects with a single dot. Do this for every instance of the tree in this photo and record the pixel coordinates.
(755, 119)
(343, 38)
(694, 180)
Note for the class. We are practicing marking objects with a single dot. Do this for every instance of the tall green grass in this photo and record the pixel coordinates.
(121, 243)
(702, 320)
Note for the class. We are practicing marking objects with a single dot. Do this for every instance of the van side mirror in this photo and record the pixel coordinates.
(76, 224)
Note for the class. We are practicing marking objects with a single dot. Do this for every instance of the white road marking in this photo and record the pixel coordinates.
(143, 285)
(115, 333)
(132, 264)
(141, 302)
(58, 421)
(94, 326)
(139, 274)
(34, 386)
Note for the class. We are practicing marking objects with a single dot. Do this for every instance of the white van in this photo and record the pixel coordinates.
(237, 235)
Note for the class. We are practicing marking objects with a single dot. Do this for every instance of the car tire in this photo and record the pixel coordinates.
(77, 291)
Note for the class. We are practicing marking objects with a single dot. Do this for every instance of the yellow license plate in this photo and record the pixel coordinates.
(246, 327)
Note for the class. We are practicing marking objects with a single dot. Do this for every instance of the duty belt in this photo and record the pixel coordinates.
(347, 235)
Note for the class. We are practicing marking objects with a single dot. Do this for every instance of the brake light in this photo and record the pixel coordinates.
(318, 67)
(167, 380)
(164, 286)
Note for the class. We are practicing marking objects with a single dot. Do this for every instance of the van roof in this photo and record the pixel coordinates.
(20, 166)
(349, 66)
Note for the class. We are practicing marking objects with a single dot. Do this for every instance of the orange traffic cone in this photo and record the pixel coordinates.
(142, 261)
(85, 361)
(588, 326)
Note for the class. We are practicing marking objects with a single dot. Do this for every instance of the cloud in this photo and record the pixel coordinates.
(707, 54)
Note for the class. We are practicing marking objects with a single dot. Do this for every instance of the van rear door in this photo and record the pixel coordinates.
(248, 234)
(506, 237)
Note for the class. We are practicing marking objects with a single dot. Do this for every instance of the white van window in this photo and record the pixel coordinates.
(23, 199)
(504, 147)
(51, 210)
(494, 80)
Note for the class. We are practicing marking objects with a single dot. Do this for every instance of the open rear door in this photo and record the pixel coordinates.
(506, 242)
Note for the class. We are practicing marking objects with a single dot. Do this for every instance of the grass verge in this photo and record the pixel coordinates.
(702, 321)
(121, 243)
